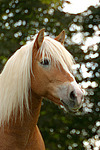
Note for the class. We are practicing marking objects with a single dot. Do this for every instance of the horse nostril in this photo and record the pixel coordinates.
(82, 98)
(72, 95)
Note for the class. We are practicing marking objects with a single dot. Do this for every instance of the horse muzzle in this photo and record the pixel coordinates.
(74, 97)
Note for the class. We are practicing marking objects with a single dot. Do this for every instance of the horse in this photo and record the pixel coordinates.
(42, 68)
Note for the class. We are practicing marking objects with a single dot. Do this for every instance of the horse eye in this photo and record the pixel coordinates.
(45, 62)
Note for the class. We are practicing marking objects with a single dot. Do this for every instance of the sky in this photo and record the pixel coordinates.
(78, 6)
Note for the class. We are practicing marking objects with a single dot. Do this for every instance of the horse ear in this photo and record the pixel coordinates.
(61, 37)
(39, 39)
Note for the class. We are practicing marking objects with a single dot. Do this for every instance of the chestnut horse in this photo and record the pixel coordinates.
(40, 69)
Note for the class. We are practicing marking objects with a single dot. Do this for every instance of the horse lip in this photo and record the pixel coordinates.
(67, 107)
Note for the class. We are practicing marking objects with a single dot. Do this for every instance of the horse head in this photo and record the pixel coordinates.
(51, 75)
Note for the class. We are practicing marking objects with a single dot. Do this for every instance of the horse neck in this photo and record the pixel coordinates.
(22, 130)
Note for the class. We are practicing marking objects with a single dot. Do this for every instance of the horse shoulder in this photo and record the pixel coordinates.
(7, 142)
(36, 141)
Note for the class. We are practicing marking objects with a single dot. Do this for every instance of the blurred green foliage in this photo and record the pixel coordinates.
(19, 19)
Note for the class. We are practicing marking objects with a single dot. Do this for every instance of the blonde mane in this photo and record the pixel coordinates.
(15, 80)
(57, 53)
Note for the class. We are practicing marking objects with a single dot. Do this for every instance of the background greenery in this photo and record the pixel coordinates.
(19, 19)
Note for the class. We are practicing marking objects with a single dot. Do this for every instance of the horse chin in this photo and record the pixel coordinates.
(68, 108)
